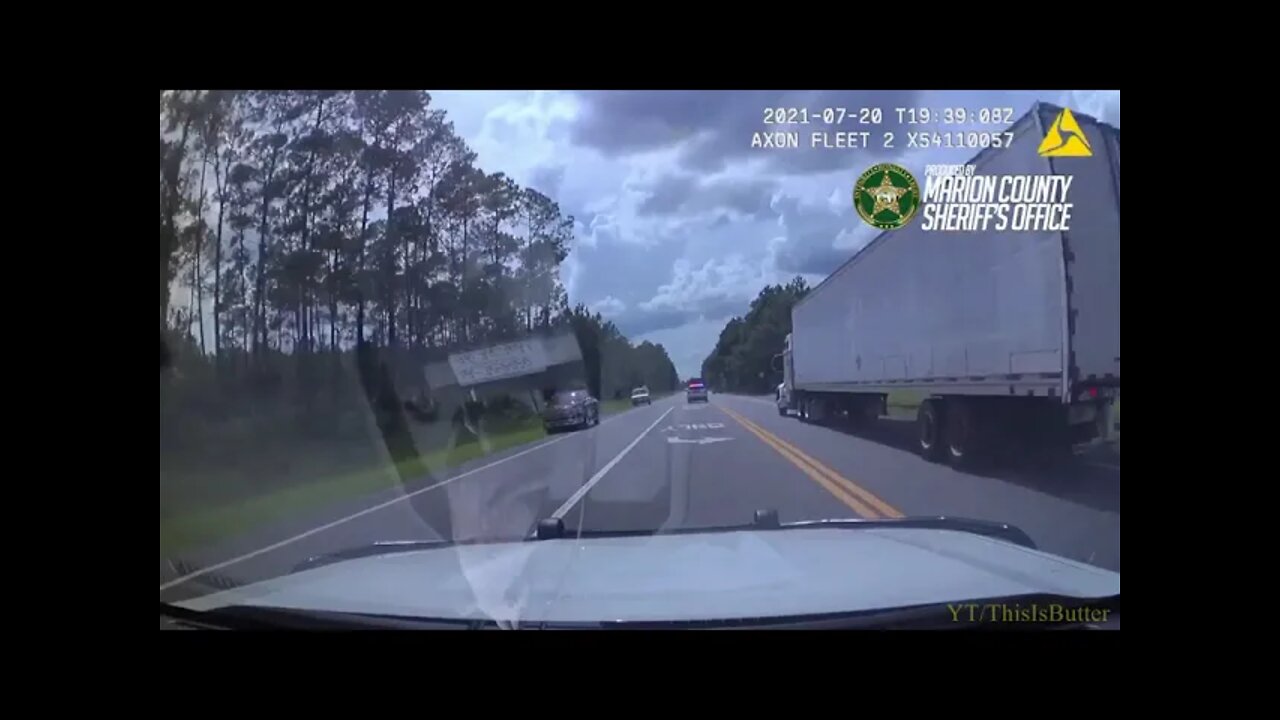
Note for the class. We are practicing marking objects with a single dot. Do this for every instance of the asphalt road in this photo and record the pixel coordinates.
(677, 465)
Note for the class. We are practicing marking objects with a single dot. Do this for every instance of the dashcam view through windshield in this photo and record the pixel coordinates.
(647, 358)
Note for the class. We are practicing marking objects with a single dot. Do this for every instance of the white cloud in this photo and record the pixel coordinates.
(609, 306)
(603, 229)
(1101, 104)
(516, 135)
(570, 269)
(690, 288)
(582, 233)
(674, 269)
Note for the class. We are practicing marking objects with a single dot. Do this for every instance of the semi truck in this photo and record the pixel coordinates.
(1011, 339)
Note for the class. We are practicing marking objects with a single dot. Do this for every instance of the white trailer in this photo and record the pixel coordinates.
(1013, 337)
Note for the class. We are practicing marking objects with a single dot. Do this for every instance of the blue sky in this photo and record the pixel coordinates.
(679, 221)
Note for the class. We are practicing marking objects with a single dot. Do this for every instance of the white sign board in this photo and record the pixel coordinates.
(498, 362)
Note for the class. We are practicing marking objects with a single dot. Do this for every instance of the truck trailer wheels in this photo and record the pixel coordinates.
(862, 412)
(950, 430)
(971, 433)
(929, 430)
(803, 408)
(964, 434)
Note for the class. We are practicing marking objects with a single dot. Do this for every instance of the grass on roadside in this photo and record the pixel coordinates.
(902, 402)
(206, 525)
(610, 407)
(210, 524)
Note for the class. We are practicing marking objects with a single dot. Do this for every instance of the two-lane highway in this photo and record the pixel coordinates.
(673, 465)
(1072, 509)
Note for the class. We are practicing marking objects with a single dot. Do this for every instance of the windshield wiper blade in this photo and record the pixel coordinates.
(553, 528)
(256, 617)
(1002, 531)
(371, 550)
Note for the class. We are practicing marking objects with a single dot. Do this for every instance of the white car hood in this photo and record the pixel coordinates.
(699, 576)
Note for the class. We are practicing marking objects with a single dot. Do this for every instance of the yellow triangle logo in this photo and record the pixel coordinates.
(1065, 138)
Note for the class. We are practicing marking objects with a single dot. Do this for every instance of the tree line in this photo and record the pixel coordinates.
(615, 363)
(742, 360)
(306, 223)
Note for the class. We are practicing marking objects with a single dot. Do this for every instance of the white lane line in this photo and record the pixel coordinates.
(560, 512)
(300, 536)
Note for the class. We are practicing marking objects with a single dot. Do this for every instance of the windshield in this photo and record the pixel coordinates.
(399, 315)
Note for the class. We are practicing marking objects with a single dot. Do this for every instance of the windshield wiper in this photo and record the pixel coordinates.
(553, 528)
(254, 617)
(371, 550)
(1002, 531)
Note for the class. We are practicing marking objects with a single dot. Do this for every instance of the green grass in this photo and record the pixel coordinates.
(610, 407)
(210, 524)
(613, 407)
(905, 400)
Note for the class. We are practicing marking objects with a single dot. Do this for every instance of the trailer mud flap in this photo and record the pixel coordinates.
(1082, 414)
(1112, 414)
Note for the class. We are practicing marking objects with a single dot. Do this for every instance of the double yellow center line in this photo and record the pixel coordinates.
(863, 502)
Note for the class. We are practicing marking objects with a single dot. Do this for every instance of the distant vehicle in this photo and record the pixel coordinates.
(696, 391)
(908, 573)
(640, 396)
(571, 409)
(1010, 339)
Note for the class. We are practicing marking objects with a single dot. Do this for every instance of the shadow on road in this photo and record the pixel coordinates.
(1081, 479)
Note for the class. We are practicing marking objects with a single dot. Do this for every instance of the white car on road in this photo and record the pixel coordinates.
(640, 396)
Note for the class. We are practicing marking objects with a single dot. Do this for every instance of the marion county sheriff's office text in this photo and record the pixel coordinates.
(957, 200)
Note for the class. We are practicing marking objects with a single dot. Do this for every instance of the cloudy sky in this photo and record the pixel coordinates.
(680, 221)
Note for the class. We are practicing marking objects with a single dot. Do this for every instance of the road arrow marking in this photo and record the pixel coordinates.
(699, 441)
(694, 426)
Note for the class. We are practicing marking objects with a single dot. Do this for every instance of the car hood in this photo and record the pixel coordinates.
(702, 576)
